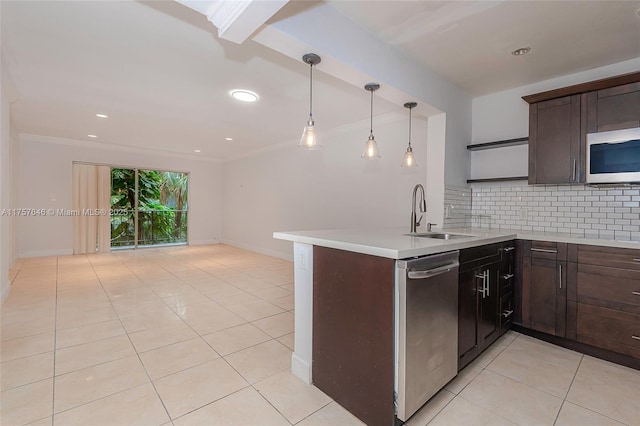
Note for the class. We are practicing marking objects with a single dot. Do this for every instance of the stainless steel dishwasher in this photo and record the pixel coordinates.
(426, 329)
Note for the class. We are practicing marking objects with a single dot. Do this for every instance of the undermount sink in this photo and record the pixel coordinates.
(438, 235)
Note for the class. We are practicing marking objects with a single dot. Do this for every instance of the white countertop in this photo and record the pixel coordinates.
(394, 244)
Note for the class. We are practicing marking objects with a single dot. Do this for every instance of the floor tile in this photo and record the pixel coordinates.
(255, 310)
(89, 384)
(277, 325)
(332, 414)
(461, 412)
(195, 387)
(154, 338)
(26, 404)
(26, 370)
(236, 338)
(261, 361)
(609, 389)
(88, 333)
(288, 340)
(89, 354)
(136, 406)
(463, 378)
(542, 366)
(74, 318)
(431, 408)
(177, 357)
(144, 321)
(511, 399)
(26, 346)
(245, 407)
(291, 396)
(28, 328)
(217, 320)
(574, 415)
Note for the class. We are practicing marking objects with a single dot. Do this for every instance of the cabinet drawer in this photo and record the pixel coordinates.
(608, 329)
(478, 256)
(547, 250)
(612, 287)
(612, 257)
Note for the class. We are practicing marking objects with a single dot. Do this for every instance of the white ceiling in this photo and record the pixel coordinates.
(469, 42)
(161, 73)
(163, 76)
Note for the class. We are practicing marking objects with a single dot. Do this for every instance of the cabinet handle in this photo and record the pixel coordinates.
(487, 273)
(508, 249)
(575, 164)
(636, 260)
(560, 275)
(636, 293)
(483, 289)
(550, 251)
(635, 337)
(507, 313)
(508, 276)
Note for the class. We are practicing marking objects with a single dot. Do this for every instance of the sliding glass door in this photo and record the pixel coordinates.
(149, 207)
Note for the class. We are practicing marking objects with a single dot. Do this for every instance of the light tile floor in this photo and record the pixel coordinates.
(203, 336)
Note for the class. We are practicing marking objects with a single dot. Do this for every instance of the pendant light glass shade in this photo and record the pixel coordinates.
(409, 159)
(370, 151)
(309, 139)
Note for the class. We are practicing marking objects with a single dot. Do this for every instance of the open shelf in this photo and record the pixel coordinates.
(498, 144)
(498, 179)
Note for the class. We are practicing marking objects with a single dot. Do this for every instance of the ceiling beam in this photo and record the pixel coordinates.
(236, 20)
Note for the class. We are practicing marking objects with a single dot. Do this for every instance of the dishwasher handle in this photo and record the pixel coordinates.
(418, 275)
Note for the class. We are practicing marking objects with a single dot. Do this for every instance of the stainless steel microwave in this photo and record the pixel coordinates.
(613, 157)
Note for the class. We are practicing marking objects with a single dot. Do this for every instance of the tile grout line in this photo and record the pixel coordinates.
(568, 390)
(55, 337)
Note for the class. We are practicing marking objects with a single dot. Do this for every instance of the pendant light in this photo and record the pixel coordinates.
(308, 139)
(370, 151)
(409, 160)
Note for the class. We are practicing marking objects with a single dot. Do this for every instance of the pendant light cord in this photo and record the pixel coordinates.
(410, 127)
(371, 122)
(311, 92)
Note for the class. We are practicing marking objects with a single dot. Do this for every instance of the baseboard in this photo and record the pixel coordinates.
(300, 368)
(261, 250)
(204, 242)
(43, 253)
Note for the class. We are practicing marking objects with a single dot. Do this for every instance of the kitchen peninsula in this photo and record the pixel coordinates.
(346, 334)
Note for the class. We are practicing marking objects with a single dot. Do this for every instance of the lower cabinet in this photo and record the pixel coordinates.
(485, 297)
(582, 293)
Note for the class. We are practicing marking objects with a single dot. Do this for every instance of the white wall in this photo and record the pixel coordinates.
(46, 179)
(291, 189)
(504, 115)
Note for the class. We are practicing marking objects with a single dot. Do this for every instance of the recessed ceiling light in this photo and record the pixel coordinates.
(244, 95)
(92, 136)
(196, 150)
(521, 51)
(102, 115)
(228, 139)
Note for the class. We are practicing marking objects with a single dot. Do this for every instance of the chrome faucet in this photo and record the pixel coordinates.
(423, 207)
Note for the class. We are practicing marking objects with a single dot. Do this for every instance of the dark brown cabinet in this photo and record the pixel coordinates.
(545, 284)
(485, 297)
(608, 299)
(555, 148)
(613, 108)
(560, 119)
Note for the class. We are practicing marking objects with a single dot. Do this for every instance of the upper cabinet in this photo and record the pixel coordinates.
(560, 119)
(614, 108)
(555, 154)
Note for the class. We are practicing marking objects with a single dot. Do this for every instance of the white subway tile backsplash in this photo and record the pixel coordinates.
(596, 212)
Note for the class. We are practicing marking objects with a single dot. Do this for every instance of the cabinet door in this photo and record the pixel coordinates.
(467, 315)
(548, 296)
(555, 154)
(614, 108)
(489, 298)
